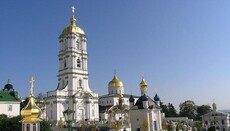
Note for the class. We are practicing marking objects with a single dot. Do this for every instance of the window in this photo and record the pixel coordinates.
(80, 83)
(28, 127)
(222, 122)
(155, 125)
(78, 62)
(10, 108)
(34, 127)
(64, 63)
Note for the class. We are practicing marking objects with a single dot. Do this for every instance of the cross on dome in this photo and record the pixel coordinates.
(73, 9)
(32, 85)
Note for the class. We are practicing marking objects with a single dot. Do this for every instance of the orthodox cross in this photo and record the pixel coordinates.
(32, 85)
(73, 9)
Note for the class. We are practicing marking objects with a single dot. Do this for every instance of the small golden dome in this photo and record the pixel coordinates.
(115, 82)
(31, 112)
(73, 28)
(121, 97)
(143, 83)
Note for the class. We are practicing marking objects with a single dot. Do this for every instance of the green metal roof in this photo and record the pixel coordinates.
(8, 96)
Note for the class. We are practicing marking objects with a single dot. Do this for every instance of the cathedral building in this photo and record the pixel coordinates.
(73, 89)
(106, 102)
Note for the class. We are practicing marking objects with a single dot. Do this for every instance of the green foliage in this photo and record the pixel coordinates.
(198, 125)
(188, 109)
(10, 124)
(201, 110)
(24, 103)
(14, 124)
(45, 126)
(169, 110)
(212, 128)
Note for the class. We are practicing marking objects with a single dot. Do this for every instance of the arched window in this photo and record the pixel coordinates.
(34, 127)
(78, 46)
(64, 63)
(78, 62)
(80, 83)
(28, 127)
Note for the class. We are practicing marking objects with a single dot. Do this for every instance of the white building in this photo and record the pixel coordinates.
(73, 89)
(106, 102)
(216, 119)
(9, 101)
(145, 114)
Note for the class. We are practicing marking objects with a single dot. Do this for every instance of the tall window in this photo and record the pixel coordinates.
(28, 127)
(78, 46)
(78, 62)
(64, 63)
(10, 108)
(80, 83)
(34, 127)
(155, 125)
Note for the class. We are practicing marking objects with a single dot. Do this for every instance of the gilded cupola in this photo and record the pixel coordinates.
(115, 82)
(73, 28)
(31, 112)
(143, 83)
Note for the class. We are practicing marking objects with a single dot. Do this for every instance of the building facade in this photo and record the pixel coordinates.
(73, 89)
(145, 113)
(216, 119)
(9, 101)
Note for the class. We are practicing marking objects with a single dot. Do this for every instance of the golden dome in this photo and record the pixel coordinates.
(143, 83)
(73, 28)
(31, 112)
(115, 82)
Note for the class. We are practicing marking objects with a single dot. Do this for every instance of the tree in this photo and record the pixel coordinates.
(188, 109)
(24, 103)
(172, 110)
(45, 126)
(169, 110)
(201, 110)
(10, 124)
(164, 109)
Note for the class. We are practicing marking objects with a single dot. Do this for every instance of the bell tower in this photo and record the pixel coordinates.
(73, 91)
(73, 69)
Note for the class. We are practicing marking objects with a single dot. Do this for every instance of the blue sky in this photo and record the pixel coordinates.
(181, 47)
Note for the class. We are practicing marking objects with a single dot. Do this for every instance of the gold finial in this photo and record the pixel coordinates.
(143, 83)
(8, 81)
(32, 86)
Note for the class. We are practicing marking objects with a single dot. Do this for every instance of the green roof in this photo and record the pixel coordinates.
(9, 96)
